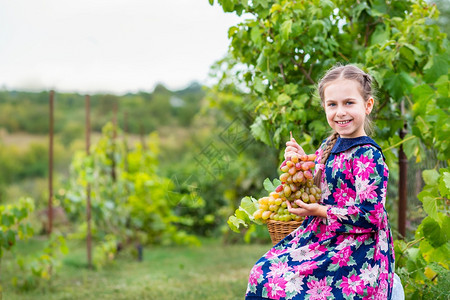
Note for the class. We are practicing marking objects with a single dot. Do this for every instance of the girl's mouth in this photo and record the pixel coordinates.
(343, 122)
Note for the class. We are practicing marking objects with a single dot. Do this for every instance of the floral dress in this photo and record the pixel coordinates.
(347, 255)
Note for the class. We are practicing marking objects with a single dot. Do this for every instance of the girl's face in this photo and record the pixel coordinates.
(345, 107)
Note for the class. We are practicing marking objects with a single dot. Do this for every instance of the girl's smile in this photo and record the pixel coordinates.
(345, 108)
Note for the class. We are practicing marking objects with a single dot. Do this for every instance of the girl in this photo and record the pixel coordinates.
(344, 248)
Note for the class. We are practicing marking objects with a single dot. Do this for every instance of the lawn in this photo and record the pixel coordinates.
(211, 271)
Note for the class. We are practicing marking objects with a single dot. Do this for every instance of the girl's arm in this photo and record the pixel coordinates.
(307, 209)
(364, 210)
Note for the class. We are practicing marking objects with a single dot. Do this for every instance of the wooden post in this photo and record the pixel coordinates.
(113, 167)
(88, 187)
(402, 186)
(50, 165)
(125, 141)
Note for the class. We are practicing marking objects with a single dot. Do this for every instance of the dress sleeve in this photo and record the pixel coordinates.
(360, 194)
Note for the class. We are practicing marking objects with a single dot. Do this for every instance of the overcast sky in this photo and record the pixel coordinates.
(114, 46)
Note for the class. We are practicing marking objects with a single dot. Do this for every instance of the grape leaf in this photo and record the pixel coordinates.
(268, 185)
(444, 184)
(430, 206)
(433, 233)
(286, 29)
(283, 99)
(249, 205)
(255, 35)
(234, 223)
(276, 182)
(259, 85)
(259, 131)
(430, 176)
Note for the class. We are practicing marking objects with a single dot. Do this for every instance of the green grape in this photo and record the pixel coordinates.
(305, 197)
(287, 191)
(285, 169)
(293, 187)
(273, 207)
(266, 214)
(284, 177)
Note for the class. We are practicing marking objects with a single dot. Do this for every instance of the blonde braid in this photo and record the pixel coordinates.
(331, 141)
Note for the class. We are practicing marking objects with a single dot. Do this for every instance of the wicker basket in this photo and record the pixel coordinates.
(279, 230)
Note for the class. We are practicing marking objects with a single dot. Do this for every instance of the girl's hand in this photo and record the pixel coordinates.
(293, 148)
(307, 209)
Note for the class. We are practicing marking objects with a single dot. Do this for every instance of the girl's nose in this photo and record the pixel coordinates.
(340, 111)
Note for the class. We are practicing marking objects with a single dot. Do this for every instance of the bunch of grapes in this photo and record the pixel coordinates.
(296, 183)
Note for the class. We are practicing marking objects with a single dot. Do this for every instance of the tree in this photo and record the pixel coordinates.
(278, 53)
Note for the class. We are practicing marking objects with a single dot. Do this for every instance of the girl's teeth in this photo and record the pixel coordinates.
(343, 122)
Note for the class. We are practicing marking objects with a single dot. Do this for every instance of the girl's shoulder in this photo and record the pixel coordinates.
(359, 146)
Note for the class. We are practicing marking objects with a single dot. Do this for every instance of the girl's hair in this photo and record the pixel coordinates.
(350, 72)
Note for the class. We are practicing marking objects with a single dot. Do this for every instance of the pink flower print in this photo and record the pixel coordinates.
(275, 287)
(359, 230)
(351, 285)
(306, 268)
(348, 171)
(369, 275)
(294, 283)
(302, 254)
(385, 171)
(332, 220)
(370, 293)
(342, 257)
(353, 210)
(365, 189)
(319, 153)
(255, 274)
(274, 253)
(278, 269)
(314, 224)
(345, 240)
(362, 237)
(376, 216)
(344, 195)
(383, 193)
(382, 290)
(325, 190)
(338, 161)
(318, 289)
(317, 249)
(324, 236)
(363, 167)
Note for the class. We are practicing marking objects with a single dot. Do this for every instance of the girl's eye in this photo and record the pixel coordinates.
(331, 104)
(349, 102)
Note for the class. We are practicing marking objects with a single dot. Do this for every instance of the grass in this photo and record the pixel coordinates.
(212, 271)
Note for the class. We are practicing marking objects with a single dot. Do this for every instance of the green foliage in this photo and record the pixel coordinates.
(284, 49)
(142, 112)
(13, 225)
(423, 264)
(281, 50)
(42, 265)
(127, 196)
(244, 213)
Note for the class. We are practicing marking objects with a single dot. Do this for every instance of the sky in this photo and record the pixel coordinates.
(112, 46)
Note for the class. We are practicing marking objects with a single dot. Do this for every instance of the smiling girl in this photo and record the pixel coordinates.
(343, 249)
